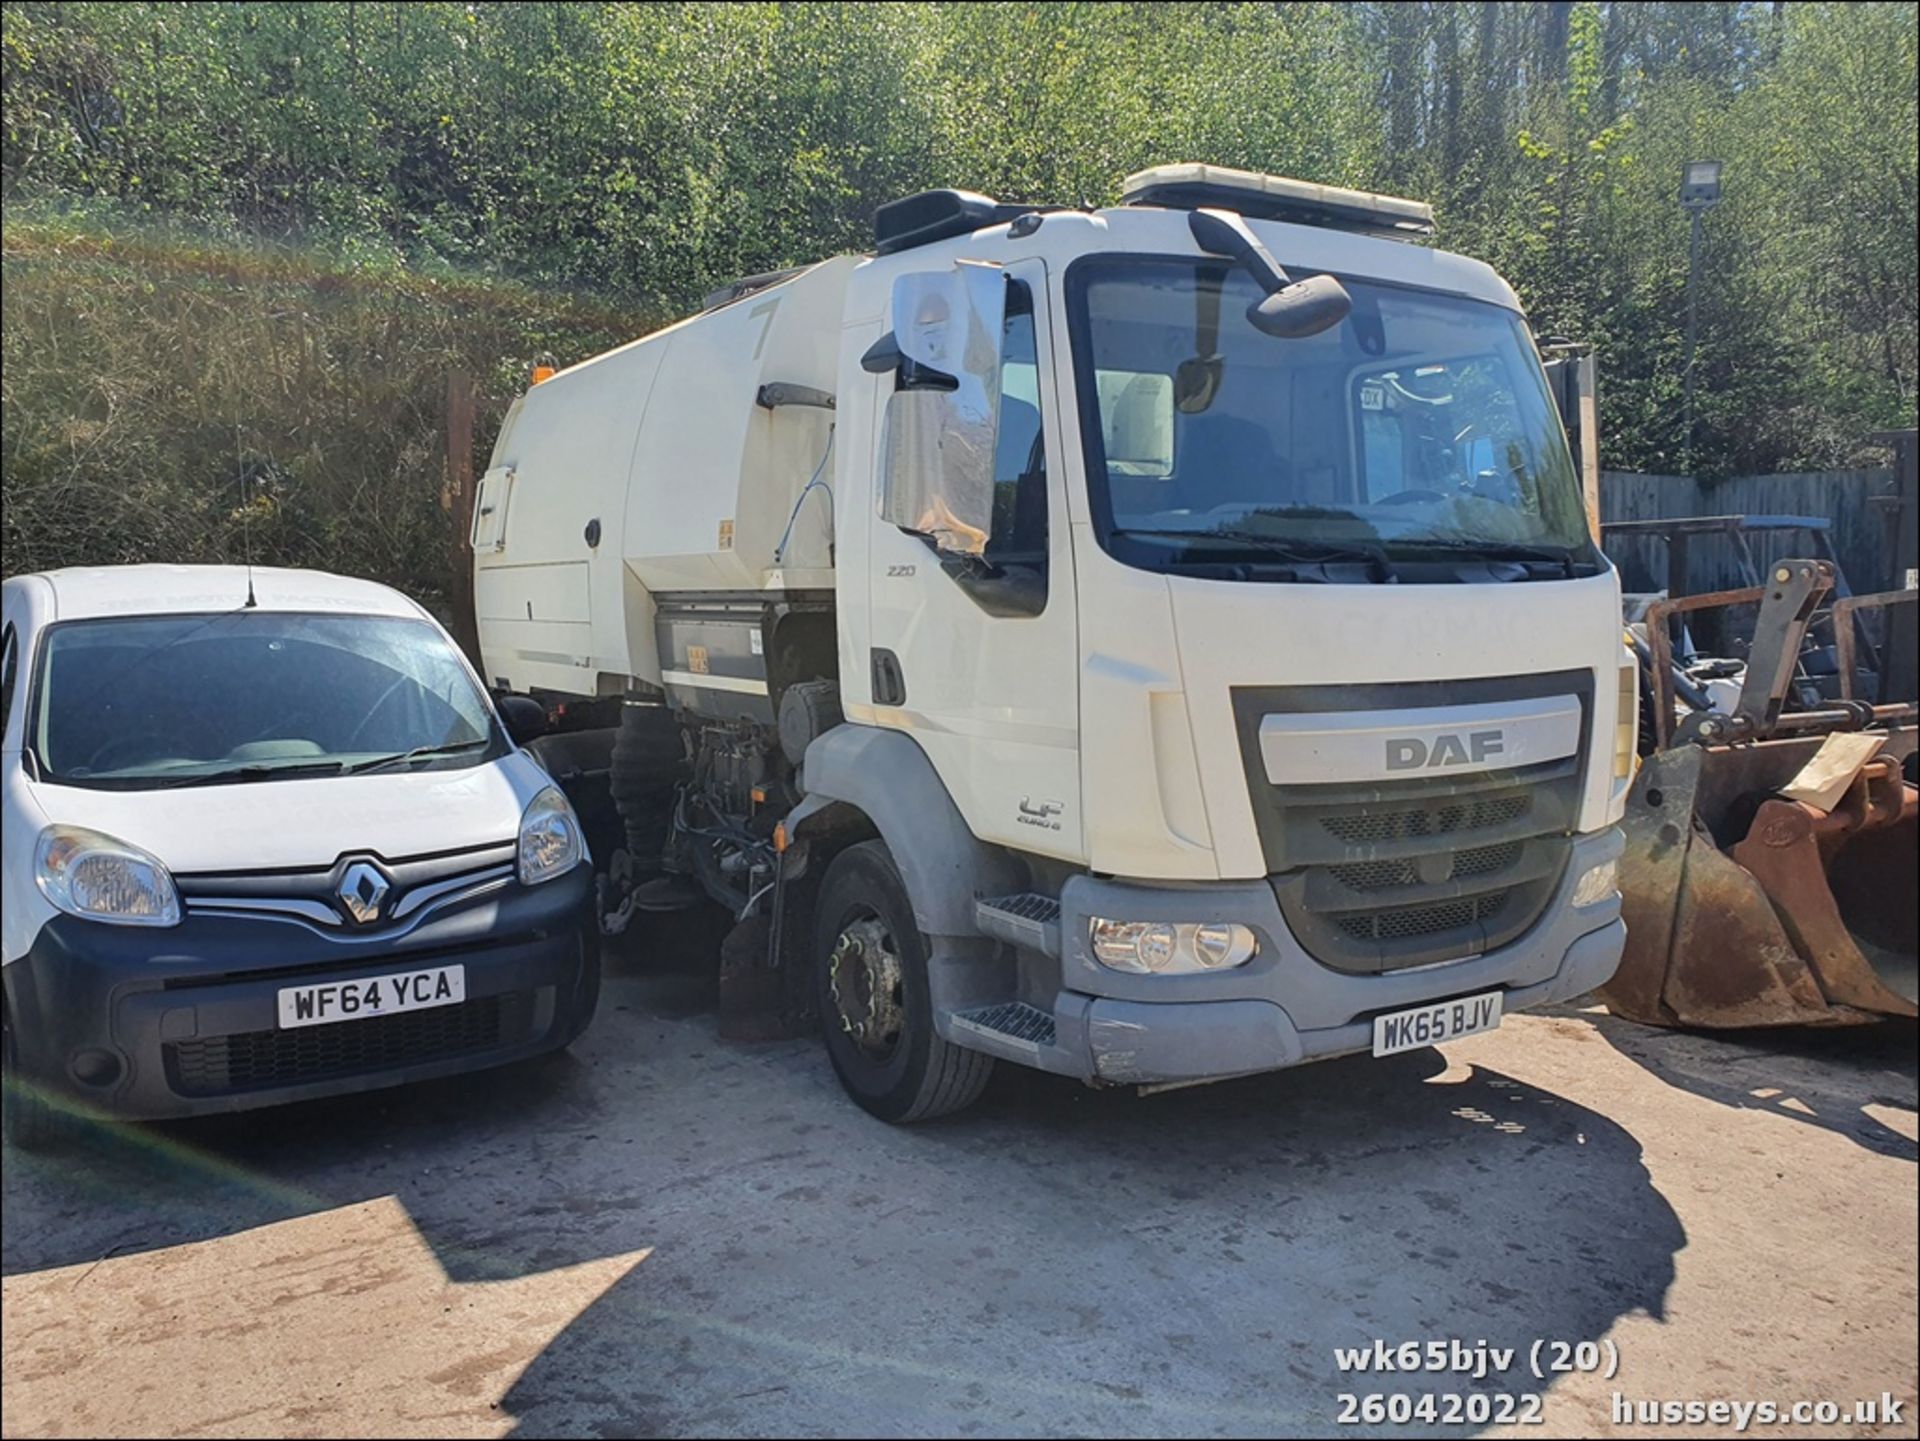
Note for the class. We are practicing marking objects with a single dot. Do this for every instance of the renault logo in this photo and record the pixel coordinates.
(361, 891)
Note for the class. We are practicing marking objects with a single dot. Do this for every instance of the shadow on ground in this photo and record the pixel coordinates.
(1839, 1078)
(1057, 1260)
(1065, 1260)
(465, 1153)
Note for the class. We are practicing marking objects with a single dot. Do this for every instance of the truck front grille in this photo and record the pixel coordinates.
(1387, 875)
(1379, 877)
(262, 1060)
(1413, 869)
(1406, 823)
(1422, 920)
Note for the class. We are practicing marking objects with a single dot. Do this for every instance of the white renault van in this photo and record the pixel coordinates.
(266, 837)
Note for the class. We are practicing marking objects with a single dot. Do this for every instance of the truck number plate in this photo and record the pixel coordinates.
(372, 996)
(1430, 1025)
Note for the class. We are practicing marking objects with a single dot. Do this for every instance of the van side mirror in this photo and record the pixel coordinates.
(523, 716)
(942, 423)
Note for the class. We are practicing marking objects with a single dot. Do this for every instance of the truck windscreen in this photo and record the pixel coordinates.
(1418, 432)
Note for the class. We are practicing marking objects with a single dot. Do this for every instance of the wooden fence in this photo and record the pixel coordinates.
(1850, 499)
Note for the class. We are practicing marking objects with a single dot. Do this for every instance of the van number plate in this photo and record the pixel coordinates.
(1430, 1025)
(372, 996)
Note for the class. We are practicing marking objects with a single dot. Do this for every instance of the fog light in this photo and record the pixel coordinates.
(1597, 884)
(1162, 948)
(96, 1068)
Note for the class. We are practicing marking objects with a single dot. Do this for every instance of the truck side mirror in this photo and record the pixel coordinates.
(943, 421)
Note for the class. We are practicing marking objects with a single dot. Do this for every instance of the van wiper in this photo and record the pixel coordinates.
(238, 774)
(417, 753)
(1282, 548)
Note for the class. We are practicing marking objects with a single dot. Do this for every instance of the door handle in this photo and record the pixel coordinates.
(889, 683)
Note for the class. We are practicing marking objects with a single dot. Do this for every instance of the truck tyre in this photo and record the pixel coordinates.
(27, 1118)
(870, 986)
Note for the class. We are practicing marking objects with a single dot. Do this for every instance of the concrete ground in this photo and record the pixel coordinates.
(664, 1233)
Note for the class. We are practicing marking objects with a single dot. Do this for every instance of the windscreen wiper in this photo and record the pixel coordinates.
(1560, 556)
(239, 774)
(1281, 548)
(417, 753)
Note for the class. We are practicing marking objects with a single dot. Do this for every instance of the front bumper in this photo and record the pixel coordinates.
(145, 1024)
(1284, 1007)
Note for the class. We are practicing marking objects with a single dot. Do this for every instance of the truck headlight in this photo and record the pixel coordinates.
(1597, 884)
(1158, 948)
(550, 840)
(98, 878)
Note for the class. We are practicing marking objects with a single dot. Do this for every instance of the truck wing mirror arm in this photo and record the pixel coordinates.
(1289, 309)
(883, 355)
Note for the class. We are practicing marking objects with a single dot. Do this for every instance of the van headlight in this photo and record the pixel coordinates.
(550, 840)
(1158, 948)
(98, 878)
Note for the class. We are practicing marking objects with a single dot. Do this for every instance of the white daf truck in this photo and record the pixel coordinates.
(1152, 644)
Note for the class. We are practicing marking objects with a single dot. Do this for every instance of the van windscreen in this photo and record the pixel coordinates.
(143, 702)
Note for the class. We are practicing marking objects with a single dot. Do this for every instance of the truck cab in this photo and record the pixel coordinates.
(1149, 644)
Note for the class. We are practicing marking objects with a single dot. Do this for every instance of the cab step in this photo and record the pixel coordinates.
(1010, 1025)
(1029, 921)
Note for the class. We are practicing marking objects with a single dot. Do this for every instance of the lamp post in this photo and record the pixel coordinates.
(1699, 193)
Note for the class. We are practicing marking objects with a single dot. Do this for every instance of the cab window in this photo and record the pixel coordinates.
(1020, 459)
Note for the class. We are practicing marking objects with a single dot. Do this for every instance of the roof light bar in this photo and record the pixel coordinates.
(1275, 197)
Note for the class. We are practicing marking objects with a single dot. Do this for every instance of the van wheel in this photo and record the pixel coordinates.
(27, 1118)
(870, 985)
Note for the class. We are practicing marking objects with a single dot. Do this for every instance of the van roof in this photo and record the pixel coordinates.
(82, 592)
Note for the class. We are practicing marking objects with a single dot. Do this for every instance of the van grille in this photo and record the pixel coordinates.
(260, 1060)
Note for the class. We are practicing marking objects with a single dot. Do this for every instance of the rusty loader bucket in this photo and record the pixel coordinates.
(1769, 871)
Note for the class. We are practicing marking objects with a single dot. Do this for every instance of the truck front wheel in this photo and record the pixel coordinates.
(870, 986)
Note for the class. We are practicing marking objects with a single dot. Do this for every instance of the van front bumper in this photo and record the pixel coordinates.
(1284, 1006)
(140, 1023)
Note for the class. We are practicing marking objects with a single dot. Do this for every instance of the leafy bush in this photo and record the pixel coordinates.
(370, 184)
(172, 399)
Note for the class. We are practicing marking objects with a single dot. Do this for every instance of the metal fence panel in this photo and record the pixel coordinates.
(1845, 497)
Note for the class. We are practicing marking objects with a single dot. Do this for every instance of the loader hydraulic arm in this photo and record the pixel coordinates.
(1794, 595)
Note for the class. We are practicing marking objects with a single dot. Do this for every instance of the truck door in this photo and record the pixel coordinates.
(490, 510)
(981, 667)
